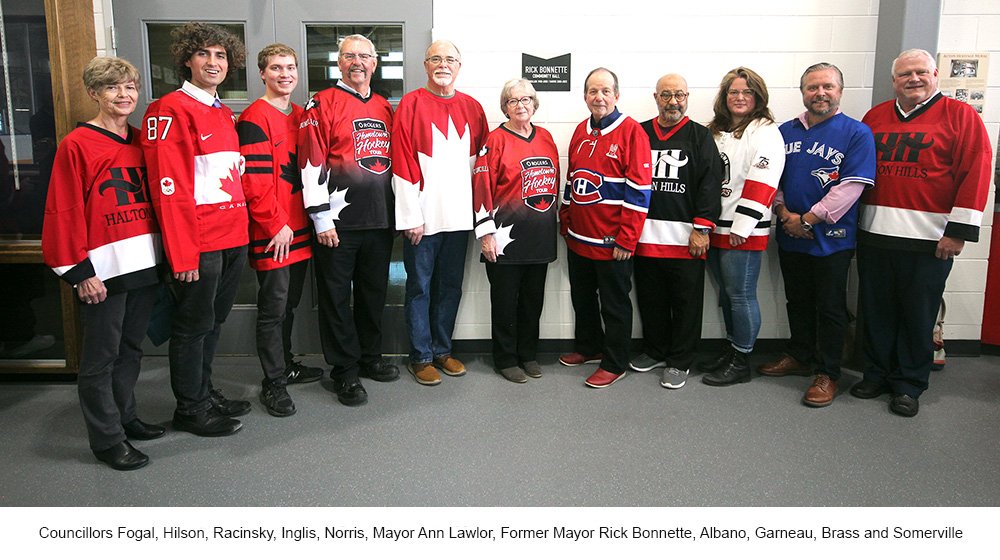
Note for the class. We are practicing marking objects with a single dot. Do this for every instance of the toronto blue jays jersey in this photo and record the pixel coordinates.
(837, 150)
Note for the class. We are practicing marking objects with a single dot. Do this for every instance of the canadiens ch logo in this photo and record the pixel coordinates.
(538, 183)
(371, 145)
(826, 175)
(586, 186)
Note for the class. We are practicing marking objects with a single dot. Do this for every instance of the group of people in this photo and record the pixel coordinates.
(198, 193)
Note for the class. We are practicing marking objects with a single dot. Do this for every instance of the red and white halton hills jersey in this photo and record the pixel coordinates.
(193, 157)
(344, 155)
(752, 166)
(687, 174)
(932, 175)
(435, 142)
(271, 182)
(98, 220)
(515, 193)
(607, 188)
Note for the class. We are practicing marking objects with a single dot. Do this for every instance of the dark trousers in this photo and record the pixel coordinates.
(517, 292)
(359, 264)
(202, 307)
(279, 293)
(816, 294)
(670, 296)
(900, 294)
(599, 290)
(113, 331)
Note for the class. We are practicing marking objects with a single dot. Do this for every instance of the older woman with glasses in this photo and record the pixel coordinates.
(100, 236)
(753, 155)
(515, 188)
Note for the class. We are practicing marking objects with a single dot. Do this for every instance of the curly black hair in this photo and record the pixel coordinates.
(195, 35)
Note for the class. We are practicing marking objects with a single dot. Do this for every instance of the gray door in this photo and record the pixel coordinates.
(400, 31)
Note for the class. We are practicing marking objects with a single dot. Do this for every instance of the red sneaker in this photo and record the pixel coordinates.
(602, 378)
(574, 359)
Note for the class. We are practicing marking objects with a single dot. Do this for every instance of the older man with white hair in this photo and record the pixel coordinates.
(931, 184)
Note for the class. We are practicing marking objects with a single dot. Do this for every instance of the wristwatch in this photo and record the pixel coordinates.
(806, 226)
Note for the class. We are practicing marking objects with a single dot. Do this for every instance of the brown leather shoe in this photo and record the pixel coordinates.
(425, 373)
(821, 392)
(786, 365)
(450, 366)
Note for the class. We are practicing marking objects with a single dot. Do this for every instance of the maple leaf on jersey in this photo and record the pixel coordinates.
(292, 173)
(231, 185)
(378, 166)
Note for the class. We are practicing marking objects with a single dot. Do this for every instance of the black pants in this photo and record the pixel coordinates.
(900, 296)
(360, 264)
(113, 331)
(599, 290)
(279, 293)
(201, 309)
(816, 294)
(670, 297)
(517, 292)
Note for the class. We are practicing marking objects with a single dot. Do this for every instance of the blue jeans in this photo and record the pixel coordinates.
(435, 269)
(737, 272)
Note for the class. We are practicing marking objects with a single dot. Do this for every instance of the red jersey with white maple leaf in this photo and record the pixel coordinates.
(194, 165)
(434, 143)
(516, 195)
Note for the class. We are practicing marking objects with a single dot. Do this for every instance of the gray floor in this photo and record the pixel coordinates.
(482, 441)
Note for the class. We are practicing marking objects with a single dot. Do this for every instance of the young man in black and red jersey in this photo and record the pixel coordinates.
(194, 167)
(280, 232)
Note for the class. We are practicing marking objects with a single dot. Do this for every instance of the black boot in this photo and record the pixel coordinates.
(736, 371)
(716, 363)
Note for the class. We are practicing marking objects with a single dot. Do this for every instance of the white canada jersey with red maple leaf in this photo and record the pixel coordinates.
(194, 165)
(345, 160)
(435, 142)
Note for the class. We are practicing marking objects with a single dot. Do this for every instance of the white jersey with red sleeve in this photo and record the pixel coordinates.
(435, 142)
(193, 158)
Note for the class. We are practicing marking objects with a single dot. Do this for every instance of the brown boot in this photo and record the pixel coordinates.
(821, 392)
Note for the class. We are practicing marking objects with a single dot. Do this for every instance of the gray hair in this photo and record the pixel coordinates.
(818, 67)
(356, 37)
(909, 53)
(509, 87)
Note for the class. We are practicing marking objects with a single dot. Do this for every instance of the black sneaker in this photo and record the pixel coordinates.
(297, 372)
(227, 407)
(379, 371)
(276, 400)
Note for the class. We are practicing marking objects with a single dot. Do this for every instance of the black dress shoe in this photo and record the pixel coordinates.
(208, 423)
(227, 407)
(351, 393)
(869, 389)
(904, 405)
(716, 363)
(122, 457)
(381, 371)
(137, 429)
(736, 371)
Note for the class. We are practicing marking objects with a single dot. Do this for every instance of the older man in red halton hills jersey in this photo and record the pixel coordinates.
(931, 184)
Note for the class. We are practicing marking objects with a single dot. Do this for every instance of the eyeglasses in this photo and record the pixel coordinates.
(526, 101)
(349, 56)
(739, 92)
(439, 59)
(678, 95)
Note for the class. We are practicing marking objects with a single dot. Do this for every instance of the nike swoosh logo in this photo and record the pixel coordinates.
(206, 136)
(278, 143)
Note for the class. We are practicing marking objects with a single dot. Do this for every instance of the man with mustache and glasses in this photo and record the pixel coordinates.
(437, 137)
(932, 182)
(829, 161)
(345, 161)
(684, 204)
